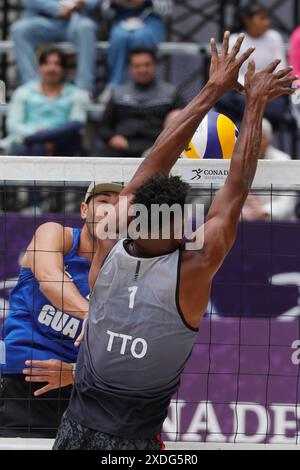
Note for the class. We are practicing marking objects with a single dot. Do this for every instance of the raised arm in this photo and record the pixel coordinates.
(173, 140)
(224, 214)
(45, 258)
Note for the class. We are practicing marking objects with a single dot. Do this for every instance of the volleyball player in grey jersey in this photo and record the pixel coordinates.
(149, 295)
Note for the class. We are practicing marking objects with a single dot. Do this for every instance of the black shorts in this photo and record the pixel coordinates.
(74, 436)
(23, 415)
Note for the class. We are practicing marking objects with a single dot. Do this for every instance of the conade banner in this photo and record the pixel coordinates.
(242, 382)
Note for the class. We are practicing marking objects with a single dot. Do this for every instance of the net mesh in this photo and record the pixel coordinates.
(241, 385)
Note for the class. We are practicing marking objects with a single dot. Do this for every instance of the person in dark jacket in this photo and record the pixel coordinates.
(137, 110)
(137, 23)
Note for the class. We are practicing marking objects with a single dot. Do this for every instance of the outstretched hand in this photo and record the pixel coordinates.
(268, 84)
(55, 373)
(225, 67)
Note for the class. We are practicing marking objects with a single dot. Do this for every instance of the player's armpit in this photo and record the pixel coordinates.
(218, 237)
(47, 248)
(197, 271)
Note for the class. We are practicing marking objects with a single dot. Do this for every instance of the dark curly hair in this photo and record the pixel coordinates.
(250, 10)
(159, 190)
(49, 51)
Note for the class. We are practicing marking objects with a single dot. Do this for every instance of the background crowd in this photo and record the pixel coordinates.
(48, 113)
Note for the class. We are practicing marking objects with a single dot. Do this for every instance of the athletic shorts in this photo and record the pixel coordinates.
(23, 415)
(73, 436)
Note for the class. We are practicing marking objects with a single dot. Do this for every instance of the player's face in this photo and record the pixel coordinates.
(143, 68)
(89, 210)
(52, 72)
(159, 245)
(258, 24)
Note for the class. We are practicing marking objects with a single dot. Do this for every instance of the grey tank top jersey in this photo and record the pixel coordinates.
(135, 346)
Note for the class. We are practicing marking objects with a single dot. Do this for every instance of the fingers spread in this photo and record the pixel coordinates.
(246, 55)
(38, 378)
(225, 44)
(42, 364)
(240, 88)
(287, 91)
(251, 67)
(272, 66)
(236, 48)
(213, 46)
(42, 390)
(288, 80)
(282, 73)
(30, 372)
(282, 91)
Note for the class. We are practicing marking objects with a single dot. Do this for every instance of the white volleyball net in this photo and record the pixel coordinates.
(241, 386)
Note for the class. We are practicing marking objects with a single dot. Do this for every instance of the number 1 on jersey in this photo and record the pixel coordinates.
(133, 291)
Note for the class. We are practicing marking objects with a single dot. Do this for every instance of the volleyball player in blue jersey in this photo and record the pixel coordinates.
(47, 308)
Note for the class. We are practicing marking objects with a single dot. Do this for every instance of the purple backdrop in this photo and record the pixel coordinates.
(242, 381)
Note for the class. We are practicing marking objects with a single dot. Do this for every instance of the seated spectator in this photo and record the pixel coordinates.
(50, 21)
(255, 24)
(276, 206)
(294, 53)
(137, 110)
(46, 117)
(137, 23)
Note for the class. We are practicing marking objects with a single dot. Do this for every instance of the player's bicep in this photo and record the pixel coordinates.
(45, 253)
(218, 238)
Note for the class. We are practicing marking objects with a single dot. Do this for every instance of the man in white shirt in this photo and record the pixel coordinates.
(269, 45)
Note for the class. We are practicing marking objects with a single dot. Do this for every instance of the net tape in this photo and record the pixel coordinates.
(198, 173)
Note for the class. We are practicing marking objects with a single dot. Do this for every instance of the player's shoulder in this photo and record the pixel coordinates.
(53, 227)
(55, 233)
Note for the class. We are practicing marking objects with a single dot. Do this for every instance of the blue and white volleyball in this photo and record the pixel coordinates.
(215, 138)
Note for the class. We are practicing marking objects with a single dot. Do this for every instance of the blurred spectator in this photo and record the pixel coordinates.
(255, 24)
(46, 117)
(294, 60)
(294, 53)
(49, 21)
(137, 23)
(137, 110)
(276, 206)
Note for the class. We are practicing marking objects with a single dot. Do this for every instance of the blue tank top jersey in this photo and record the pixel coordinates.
(34, 328)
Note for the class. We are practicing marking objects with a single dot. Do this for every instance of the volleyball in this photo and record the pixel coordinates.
(215, 138)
